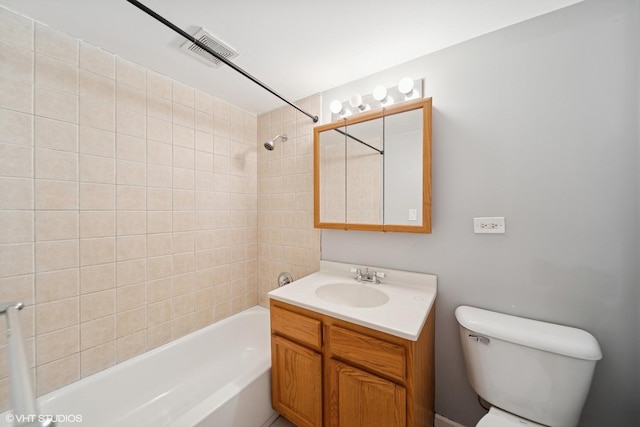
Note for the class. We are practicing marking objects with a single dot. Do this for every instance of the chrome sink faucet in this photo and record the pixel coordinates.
(367, 276)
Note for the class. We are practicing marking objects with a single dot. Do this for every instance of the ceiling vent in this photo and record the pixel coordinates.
(211, 42)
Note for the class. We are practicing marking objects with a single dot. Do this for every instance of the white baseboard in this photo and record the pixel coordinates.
(441, 421)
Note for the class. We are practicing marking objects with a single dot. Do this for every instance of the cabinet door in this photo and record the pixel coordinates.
(360, 399)
(296, 374)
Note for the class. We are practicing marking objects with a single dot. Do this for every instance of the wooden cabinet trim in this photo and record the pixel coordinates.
(372, 354)
(297, 327)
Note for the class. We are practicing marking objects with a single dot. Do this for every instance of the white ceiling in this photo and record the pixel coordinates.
(297, 47)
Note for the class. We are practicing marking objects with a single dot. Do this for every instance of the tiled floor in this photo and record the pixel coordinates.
(282, 422)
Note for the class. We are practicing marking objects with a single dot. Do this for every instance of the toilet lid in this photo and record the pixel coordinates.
(499, 418)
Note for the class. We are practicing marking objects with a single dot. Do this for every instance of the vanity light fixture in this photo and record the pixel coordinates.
(381, 97)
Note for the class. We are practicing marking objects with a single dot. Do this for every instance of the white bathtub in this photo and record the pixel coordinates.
(218, 376)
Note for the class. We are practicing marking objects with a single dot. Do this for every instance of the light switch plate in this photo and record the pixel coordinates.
(489, 225)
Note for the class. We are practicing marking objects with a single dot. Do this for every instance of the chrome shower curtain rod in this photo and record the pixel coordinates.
(216, 55)
(359, 140)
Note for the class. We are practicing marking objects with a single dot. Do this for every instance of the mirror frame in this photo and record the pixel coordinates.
(426, 105)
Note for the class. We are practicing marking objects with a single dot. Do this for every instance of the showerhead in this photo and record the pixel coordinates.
(270, 144)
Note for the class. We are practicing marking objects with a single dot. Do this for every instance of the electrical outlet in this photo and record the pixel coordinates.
(413, 214)
(493, 225)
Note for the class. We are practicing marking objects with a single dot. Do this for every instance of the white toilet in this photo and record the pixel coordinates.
(532, 373)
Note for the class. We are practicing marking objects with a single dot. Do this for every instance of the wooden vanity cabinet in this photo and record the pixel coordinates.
(329, 372)
(296, 367)
(358, 398)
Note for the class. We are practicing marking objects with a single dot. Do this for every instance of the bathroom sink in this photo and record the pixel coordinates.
(352, 294)
(398, 306)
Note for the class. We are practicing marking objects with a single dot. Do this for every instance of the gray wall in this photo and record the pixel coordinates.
(537, 122)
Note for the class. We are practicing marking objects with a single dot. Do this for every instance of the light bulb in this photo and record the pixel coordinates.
(379, 93)
(335, 106)
(406, 86)
(356, 100)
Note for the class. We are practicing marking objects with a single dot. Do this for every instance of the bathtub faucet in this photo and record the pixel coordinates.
(367, 276)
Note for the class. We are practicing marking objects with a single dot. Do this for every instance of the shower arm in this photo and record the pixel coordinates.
(216, 55)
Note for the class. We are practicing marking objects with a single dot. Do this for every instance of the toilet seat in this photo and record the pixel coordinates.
(499, 418)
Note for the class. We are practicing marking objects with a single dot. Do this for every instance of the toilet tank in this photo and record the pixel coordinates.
(535, 370)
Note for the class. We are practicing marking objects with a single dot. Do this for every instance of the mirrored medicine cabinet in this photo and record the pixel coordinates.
(372, 171)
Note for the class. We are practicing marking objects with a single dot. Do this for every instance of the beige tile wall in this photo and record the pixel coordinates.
(363, 185)
(287, 240)
(127, 204)
(333, 182)
(350, 183)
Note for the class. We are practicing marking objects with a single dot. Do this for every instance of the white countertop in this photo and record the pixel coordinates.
(411, 298)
